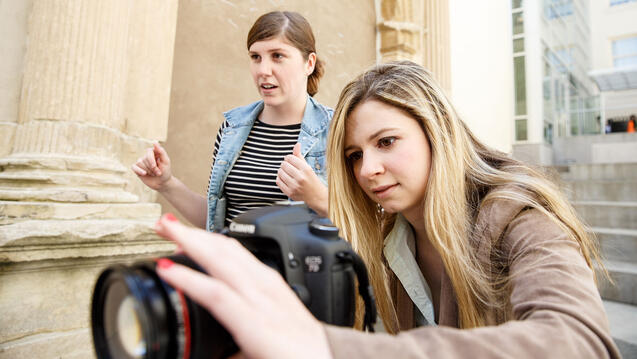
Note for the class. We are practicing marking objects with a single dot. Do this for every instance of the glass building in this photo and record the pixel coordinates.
(554, 96)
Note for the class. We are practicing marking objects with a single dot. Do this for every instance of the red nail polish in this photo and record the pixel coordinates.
(164, 263)
(171, 217)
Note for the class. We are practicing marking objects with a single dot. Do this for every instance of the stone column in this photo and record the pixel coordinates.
(436, 44)
(401, 30)
(416, 30)
(95, 93)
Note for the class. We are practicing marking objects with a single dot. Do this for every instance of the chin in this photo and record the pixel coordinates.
(271, 101)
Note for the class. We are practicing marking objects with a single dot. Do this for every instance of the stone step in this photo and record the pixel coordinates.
(608, 214)
(625, 288)
(13, 212)
(68, 194)
(602, 190)
(41, 240)
(617, 244)
(600, 171)
(43, 178)
(623, 326)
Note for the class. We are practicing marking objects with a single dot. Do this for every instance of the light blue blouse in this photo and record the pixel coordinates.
(399, 250)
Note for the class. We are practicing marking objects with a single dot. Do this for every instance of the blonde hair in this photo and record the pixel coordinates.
(463, 171)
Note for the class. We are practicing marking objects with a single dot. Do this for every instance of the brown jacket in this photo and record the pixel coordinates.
(554, 311)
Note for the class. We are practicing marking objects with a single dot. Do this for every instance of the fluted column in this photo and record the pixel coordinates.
(401, 30)
(416, 30)
(436, 45)
(95, 92)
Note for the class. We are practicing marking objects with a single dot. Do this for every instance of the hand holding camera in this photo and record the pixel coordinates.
(250, 299)
(268, 286)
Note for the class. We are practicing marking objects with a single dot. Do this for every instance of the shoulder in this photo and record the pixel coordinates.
(243, 115)
(511, 223)
(317, 117)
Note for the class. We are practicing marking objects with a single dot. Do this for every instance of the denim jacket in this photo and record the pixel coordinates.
(313, 139)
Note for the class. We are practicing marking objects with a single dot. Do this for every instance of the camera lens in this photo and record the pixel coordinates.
(137, 315)
(122, 324)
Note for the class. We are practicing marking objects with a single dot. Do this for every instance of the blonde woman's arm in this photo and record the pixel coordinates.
(555, 306)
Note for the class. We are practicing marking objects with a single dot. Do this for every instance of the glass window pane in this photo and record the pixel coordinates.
(519, 70)
(619, 2)
(518, 45)
(625, 47)
(625, 61)
(518, 23)
(520, 130)
(517, 3)
(548, 132)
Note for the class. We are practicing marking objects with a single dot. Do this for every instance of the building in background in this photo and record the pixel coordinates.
(551, 58)
(575, 71)
(614, 65)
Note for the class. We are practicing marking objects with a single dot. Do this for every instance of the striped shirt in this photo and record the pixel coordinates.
(251, 183)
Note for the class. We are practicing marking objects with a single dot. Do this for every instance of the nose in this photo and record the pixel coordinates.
(264, 68)
(371, 165)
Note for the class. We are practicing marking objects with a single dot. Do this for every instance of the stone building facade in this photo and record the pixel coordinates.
(87, 85)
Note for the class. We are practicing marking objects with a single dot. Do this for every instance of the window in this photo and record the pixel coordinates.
(515, 4)
(625, 52)
(519, 82)
(518, 45)
(619, 2)
(518, 23)
(520, 130)
(558, 8)
(548, 132)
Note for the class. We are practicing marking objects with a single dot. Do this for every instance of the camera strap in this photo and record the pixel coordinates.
(364, 288)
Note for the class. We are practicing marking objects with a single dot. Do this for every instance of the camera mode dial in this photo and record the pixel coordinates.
(323, 227)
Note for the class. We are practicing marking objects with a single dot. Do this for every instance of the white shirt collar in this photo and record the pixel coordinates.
(399, 250)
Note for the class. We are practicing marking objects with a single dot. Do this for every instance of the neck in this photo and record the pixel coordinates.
(284, 114)
(424, 247)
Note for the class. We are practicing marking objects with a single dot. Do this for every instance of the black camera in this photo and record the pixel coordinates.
(137, 315)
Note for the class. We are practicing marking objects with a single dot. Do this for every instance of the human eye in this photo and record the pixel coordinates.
(386, 141)
(354, 156)
(254, 57)
(278, 56)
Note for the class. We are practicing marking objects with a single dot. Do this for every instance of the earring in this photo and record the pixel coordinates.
(380, 209)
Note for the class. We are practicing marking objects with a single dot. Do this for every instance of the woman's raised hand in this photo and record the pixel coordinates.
(153, 168)
(250, 299)
(298, 181)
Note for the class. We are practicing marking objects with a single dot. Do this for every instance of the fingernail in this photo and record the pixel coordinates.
(164, 263)
(170, 217)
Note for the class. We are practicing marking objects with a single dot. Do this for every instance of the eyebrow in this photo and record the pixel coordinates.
(271, 50)
(373, 135)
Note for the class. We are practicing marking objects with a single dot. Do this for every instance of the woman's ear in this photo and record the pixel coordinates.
(310, 63)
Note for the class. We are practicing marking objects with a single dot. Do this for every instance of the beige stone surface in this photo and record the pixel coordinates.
(7, 132)
(94, 80)
(12, 212)
(13, 27)
(211, 75)
(73, 344)
(150, 50)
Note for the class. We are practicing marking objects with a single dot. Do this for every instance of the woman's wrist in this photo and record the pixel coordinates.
(169, 186)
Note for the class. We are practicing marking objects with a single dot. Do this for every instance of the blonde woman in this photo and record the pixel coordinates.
(471, 254)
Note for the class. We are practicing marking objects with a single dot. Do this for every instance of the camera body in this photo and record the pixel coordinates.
(135, 314)
(308, 253)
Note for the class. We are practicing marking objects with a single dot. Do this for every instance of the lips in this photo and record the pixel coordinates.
(383, 191)
(268, 86)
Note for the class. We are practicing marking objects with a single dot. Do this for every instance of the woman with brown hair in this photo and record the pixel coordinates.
(268, 151)
(470, 253)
